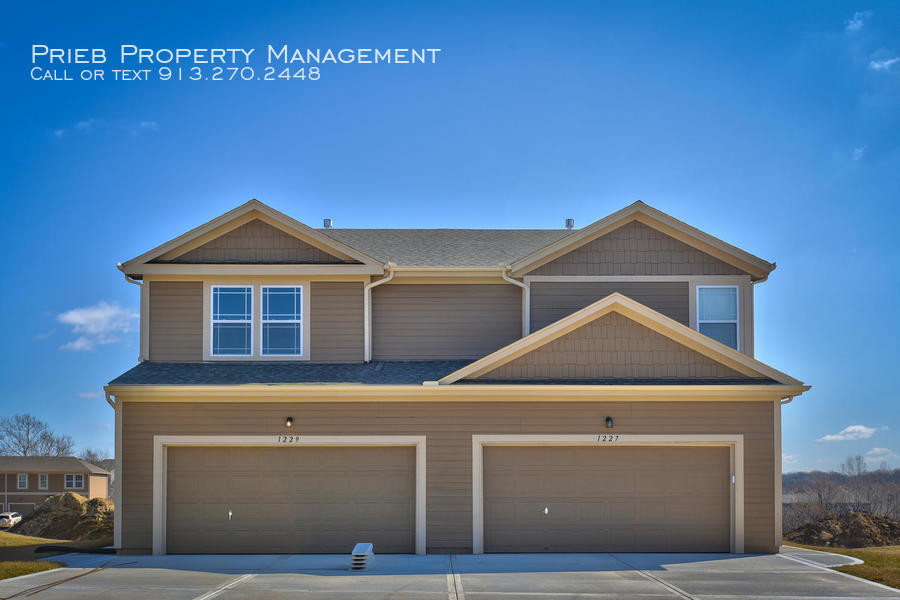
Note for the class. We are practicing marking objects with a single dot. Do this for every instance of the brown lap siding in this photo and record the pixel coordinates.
(551, 301)
(449, 427)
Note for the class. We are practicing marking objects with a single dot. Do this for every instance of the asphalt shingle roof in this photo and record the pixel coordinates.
(48, 464)
(620, 381)
(409, 372)
(447, 247)
(238, 373)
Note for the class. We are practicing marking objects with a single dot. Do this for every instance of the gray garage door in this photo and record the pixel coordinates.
(607, 499)
(290, 500)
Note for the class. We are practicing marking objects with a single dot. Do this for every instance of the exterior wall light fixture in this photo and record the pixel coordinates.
(609, 422)
(289, 422)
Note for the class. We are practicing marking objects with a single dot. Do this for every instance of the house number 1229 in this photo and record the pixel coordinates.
(287, 439)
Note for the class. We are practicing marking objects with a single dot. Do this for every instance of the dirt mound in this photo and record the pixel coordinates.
(850, 530)
(69, 516)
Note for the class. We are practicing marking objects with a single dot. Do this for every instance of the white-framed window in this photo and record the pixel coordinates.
(74, 481)
(718, 313)
(43, 481)
(232, 320)
(22, 482)
(282, 320)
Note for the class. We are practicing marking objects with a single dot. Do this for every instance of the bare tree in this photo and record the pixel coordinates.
(93, 456)
(26, 435)
(57, 445)
(854, 465)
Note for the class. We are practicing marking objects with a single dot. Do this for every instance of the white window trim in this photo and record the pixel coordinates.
(301, 321)
(73, 486)
(736, 321)
(161, 443)
(256, 344)
(19, 485)
(734, 442)
(46, 483)
(213, 321)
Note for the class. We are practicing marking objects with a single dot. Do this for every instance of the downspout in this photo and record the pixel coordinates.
(118, 491)
(367, 310)
(140, 284)
(526, 300)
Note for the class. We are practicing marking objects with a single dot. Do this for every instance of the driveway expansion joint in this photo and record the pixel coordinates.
(675, 590)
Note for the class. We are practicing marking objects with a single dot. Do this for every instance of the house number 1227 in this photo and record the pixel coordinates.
(607, 438)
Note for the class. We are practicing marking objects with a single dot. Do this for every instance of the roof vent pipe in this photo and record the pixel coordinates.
(327, 223)
(570, 223)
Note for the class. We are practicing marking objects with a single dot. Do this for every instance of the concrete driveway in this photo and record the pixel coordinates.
(460, 577)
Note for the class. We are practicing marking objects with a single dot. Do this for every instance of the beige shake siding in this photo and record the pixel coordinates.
(444, 321)
(551, 302)
(636, 249)
(257, 242)
(336, 321)
(449, 427)
(176, 321)
(612, 346)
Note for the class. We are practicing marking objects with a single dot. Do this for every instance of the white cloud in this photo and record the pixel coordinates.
(882, 454)
(859, 152)
(856, 22)
(788, 459)
(96, 125)
(89, 395)
(854, 432)
(97, 325)
(884, 65)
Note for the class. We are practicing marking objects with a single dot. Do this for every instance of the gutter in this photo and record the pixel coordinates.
(367, 310)
(128, 277)
(428, 391)
(526, 299)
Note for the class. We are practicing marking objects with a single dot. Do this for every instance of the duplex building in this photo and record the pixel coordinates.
(29, 480)
(448, 390)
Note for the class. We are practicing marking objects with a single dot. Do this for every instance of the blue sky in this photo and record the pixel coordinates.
(774, 126)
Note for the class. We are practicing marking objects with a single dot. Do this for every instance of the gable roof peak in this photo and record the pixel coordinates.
(654, 218)
(250, 210)
(638, 313)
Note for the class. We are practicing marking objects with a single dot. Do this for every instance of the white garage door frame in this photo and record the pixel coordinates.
(161, 443)
(735, 443)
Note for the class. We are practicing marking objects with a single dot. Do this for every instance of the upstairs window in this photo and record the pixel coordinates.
(74, 481)
(282, 320)
(22, 482)
(717, 313)
(232, 320)
(42, 481)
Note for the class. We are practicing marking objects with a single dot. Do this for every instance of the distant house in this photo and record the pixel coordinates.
(28, 480)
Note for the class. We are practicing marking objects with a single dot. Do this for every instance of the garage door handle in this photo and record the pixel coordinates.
(229, 514)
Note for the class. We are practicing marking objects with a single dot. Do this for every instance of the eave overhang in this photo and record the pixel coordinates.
(441, 393)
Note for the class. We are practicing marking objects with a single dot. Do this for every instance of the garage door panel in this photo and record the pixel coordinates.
(293, 500)
(641, 499)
